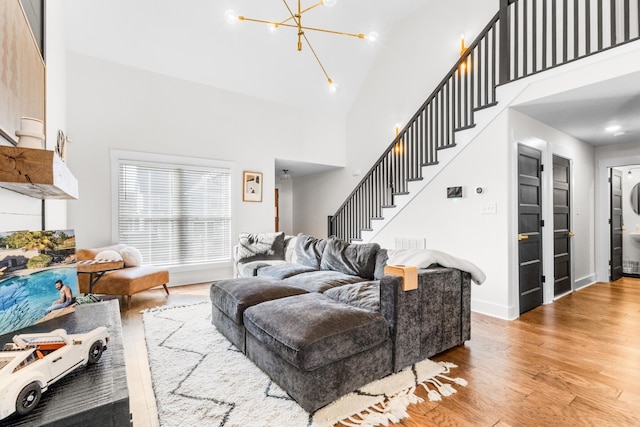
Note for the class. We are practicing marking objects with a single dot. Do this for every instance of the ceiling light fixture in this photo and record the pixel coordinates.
(296, 18)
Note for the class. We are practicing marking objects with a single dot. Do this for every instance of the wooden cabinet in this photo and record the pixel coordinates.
(36, 173)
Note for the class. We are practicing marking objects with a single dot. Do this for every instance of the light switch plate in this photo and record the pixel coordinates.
(490, 209)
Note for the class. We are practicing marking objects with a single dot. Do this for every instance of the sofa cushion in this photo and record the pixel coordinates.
(309, 250)
(283, 271)
(233, 296)
(320, 281)
(260, 246)
(251, 268)
(381, 262)
(311, 331)
(364, 295)
(126, 281)
(353, 259)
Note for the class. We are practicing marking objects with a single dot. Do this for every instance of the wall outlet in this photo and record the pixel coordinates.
(490, 209)
(410, 243)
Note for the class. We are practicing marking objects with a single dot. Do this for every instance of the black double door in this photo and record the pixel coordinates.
(530, 223)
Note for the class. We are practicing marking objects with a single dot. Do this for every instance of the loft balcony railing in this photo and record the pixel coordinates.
(525, 37)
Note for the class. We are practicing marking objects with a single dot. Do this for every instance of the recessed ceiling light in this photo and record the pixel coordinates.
(612, 129)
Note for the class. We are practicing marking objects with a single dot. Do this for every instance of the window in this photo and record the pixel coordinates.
(175, 214)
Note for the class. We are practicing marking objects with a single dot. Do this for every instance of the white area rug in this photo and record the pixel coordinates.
(201, 379)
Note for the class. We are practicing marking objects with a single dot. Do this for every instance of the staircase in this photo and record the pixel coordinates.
(524, 38)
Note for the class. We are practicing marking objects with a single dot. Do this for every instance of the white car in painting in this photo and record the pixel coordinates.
(32, 362)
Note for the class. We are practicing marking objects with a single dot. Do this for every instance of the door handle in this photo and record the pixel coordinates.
(571, 234)
(624, 228)
(55, 360)
(523, 237)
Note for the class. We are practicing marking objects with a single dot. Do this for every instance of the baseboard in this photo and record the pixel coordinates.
(584, 282)
(493, 310)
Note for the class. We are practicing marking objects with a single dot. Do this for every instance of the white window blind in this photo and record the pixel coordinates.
(175, 214)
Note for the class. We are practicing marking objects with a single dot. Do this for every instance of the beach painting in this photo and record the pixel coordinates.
(38, 277)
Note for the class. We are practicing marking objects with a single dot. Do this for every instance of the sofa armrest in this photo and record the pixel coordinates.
(428, 320)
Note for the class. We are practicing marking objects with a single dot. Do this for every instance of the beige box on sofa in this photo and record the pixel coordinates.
(125, 281)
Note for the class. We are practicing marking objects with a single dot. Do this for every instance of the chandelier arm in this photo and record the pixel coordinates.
(277, 24)
(317, 59)
(340, 33)
(293, 15)
(262, 21)
(301, 12)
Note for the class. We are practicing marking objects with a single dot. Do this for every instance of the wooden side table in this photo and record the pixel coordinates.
(96, 268)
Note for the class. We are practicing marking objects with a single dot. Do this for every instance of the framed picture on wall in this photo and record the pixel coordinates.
(251, 186)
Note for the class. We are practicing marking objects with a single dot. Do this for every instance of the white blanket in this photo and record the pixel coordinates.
(423, 258)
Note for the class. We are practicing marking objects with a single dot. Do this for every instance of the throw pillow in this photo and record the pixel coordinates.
(353, 259)
(309, 250)
(109, 254)
(131, 256)
(260, 246)
(290, 248)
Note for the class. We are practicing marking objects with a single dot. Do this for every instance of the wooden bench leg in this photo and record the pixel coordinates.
(165, 288)
(128, 301)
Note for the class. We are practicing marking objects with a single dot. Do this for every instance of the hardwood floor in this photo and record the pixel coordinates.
(575, 362)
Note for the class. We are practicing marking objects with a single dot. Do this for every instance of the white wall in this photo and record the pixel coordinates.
(413, 59)
(112, 106)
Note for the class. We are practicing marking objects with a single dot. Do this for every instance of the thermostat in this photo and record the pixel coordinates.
(454, 192)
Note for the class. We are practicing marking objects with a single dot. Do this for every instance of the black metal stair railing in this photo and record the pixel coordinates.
(525, 37)
(541, 34)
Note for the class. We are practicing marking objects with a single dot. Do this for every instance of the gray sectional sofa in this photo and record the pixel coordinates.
(328, 321)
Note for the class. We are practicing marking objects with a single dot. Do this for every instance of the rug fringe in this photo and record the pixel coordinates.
(395, 408)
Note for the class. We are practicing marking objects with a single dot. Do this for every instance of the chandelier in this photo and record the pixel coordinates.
(295, 21)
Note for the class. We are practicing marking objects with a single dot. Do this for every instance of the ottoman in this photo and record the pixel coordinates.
(316, 348)
(230, 298)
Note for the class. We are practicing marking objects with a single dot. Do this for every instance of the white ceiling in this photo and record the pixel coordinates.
(193, 41)
(587, 112)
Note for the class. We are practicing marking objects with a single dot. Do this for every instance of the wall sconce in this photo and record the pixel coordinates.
(463, 50)
(399, 147)
(285, 175)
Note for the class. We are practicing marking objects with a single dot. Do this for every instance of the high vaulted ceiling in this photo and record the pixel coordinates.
(193, 40)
